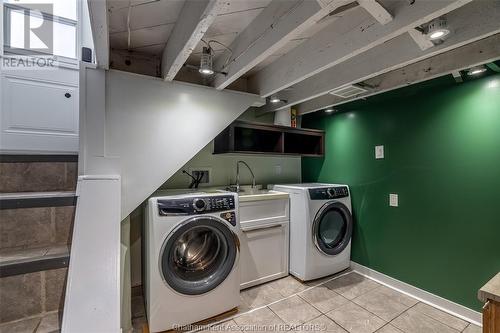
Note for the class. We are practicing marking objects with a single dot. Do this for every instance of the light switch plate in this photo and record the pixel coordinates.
(379, 152)
(393, 200)
(277, 170)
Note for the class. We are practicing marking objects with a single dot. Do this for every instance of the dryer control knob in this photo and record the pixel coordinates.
(199, 205)
(331, 192)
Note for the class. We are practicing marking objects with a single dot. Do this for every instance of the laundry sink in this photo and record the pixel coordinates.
(243, 188)
(247, 193)
(260, 194)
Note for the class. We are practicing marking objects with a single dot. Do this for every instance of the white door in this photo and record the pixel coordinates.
(39, 113)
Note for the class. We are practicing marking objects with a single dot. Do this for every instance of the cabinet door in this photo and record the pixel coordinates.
(38, 115)
(264, 254)
(254, 213)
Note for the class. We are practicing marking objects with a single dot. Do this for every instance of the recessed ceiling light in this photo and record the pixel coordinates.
(476, 70)
(329, 110)
(274, 99)
(206, 61)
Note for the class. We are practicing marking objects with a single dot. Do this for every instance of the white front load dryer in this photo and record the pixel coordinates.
(320, 229)
(192, 252)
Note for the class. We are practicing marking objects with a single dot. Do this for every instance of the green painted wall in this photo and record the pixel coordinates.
(442, 156)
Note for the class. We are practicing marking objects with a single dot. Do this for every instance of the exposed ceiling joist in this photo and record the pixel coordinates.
(197, 16)
(479, 52)
(494, 67)
(99, 24)
(275, 26)
(396, 53)
(376, 10)
(457, 76)
(422, 40)
(343, 39)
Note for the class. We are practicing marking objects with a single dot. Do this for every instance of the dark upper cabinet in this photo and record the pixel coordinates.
(242, 137)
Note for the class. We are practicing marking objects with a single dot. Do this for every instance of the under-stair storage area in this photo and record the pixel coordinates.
(37, 206)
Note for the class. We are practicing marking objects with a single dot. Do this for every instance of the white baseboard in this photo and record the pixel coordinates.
(439, 302)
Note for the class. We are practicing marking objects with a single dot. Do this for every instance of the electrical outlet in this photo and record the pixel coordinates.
(393, 200)
(379, 152)
(277, 170)
(203, 173)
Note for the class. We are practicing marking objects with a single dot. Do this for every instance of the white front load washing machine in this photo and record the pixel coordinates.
(320, 229)
(191, 252)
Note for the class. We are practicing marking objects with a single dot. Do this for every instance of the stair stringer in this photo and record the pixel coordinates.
(155, 127)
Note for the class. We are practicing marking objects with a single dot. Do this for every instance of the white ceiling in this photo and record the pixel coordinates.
(152, 22)
(319, 49)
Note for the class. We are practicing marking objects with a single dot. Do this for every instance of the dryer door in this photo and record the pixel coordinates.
(198, 255)
(332, 228)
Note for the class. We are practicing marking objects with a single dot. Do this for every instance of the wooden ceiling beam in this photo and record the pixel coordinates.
(275, 26)
(479, 52)
(396, 53)
(376, 10)
(345, 38)
(422, 40)
(194, 20)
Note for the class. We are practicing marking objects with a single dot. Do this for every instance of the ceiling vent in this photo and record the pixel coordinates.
(348, 91)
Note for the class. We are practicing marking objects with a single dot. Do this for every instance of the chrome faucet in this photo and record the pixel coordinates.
(238, 175)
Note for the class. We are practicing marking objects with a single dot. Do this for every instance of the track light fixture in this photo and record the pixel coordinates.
(438, 29)
(476, 70)
(274, 99)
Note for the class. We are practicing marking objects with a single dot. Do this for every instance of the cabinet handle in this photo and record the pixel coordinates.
(67, 95)
(261, 227)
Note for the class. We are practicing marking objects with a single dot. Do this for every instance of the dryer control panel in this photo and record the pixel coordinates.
(195, 205)
(326, 193)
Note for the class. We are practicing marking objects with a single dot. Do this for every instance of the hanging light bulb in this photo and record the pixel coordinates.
(206, 61)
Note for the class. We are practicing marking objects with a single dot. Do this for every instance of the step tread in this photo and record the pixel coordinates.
(21, 261)
(9, 256)
(37, 199)
(30, 158)
(36, 195)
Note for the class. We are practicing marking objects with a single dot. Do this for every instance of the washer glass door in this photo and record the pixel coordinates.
(198, 255)
(332, 228)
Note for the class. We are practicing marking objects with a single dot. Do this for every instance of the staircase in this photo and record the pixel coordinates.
(37, 205)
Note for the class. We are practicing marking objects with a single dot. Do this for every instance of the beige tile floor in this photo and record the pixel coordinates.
(344, 303)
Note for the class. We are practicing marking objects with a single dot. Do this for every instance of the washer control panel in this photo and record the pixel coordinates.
(326, 193)
(195, 205)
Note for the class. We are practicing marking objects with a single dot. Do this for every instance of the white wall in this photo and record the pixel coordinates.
(155, 127)
(86, 38)
(268, 169)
